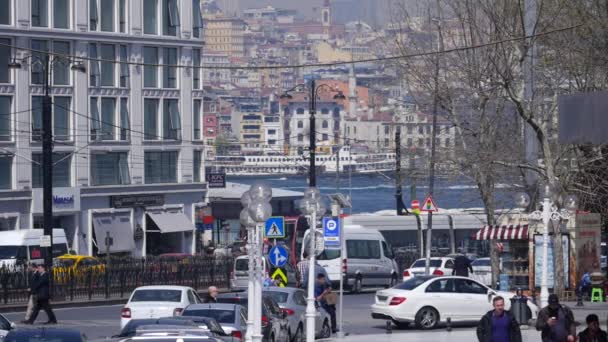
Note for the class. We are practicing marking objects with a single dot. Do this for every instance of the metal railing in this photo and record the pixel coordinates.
(119, 278)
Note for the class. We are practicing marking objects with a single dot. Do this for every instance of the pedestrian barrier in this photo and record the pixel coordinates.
(119, 277)
(597, 295)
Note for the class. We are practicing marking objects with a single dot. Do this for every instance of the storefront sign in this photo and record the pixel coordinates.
(587, 247)
(64, 200)
(538, 261)
(132, 201)
(216, 180)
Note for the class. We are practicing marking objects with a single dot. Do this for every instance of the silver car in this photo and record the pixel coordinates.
(293, 303)
(232, 317)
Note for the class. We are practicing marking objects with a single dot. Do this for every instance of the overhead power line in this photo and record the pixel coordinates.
(301, 66)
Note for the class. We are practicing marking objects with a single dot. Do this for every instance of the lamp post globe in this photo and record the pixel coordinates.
(307, 206)
(260, 191)
(245, 199)
(246, 219)
(522, 200)
(312, 193)
(260, 211)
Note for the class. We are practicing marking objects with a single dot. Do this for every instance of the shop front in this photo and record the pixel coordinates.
(66, 211)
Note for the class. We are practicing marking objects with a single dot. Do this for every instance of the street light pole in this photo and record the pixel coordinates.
(312, 135)
(544, 287)
(310, 301)
(47, 165)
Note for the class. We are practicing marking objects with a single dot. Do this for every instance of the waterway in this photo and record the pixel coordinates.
(372, 193)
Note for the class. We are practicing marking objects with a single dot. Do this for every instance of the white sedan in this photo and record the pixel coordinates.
(438, 267)
(430, 300)
(157, 302)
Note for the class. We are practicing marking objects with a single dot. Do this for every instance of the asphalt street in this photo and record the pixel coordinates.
(103, 321)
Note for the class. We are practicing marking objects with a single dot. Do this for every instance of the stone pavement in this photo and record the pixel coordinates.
(529, 334)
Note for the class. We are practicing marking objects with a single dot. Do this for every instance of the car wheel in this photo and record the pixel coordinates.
(358, 286)
(427, 318)
(299, 336)
(326, 331)
(401, 325)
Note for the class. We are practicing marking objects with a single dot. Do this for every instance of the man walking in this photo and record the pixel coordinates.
(498, 325)
(322, 290)
(556, 322)
(303, 266)
(42, 291)
(32, 278)
(593, 333)
(462, 266)
(211, 295)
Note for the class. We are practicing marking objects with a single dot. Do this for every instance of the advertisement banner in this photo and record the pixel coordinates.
(538, 261)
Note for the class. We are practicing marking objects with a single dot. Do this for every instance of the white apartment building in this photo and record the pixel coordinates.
(127, 142)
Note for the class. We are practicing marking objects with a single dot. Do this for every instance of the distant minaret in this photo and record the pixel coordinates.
(352, 92)
(326, 17)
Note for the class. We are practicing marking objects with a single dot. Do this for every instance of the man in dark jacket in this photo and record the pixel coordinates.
(33, 275)
(41, 289)
(498, 325)
(593, 333)
(211, 296)
(462, 266)
(556, 322)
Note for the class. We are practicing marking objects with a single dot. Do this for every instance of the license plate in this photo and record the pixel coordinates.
(382, 298)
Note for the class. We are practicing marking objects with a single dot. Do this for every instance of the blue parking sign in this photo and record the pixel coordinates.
(331, 232)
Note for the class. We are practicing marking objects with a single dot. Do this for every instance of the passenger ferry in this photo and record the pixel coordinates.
(262, 165)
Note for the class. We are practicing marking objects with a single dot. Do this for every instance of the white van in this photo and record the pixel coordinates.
(18, 247)
(368, 260)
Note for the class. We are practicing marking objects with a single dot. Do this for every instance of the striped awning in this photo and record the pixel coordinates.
(506, 232)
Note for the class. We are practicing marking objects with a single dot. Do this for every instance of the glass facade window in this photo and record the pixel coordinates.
(169, 69)
(93, 15)
(150, 71)
(40, 13)
(150, 16)
(171, 120)
(125, 122)
(151, 119)
(5, 118)
(61, 118)
(197, 166)
(61, 65)
(6, 172)
(106, 8)
(5, 58)
(110, 169)
(36, 118)
(170, 17)
(61, 14)
(5, 12)
(196, 71)
(122, 16)
(196, 120)
(62, 170)
(108, 114)
(124, 67)
(160, 167)
(94, 69)
(108, 56)
(38, 59)
(197, 19)
(95, 120)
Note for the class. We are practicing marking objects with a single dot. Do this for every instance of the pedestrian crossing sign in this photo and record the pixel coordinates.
(429, 205)
(275, 227)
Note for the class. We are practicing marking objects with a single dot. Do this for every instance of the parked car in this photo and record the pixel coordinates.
(157, 302)
(5, 326)
(293, 303)
(369, 260)
(240, 273)
(45, 334)
(231, 317)
(77, 264)
(430, 300)
(212, 326)
(130, 329)
(274, 322)
(482, 271)
(438, 267)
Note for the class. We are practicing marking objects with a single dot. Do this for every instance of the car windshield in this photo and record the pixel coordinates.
(481, 262)
(222, 316)
(422, 263)
(241, 265)
(157, 296)
(12, 252)
(329, 254)
(412, 283)
(65, 262)
(279, 297)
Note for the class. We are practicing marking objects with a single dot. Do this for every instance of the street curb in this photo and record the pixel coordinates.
(8, 308)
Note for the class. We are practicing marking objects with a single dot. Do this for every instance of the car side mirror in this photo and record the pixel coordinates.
(490, 295)
(12, 326)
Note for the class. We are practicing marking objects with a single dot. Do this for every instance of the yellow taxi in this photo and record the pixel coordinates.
(77, 265)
